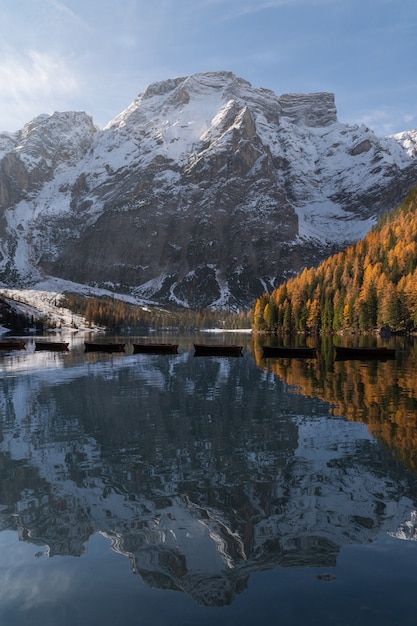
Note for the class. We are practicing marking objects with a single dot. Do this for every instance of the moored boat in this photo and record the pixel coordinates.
(203, 349)
(104, 347)
(56, 346)
(289, 351)
(343, 352)
(155, 348)
(10, 344)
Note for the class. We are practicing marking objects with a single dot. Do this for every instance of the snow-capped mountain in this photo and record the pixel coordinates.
(203, 192)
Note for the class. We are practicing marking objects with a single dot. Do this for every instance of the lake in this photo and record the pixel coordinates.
(179, 490)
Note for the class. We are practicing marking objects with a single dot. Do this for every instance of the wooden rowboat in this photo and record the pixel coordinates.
(202, 349)
(12, 345)
(364, 353)
(56, 346)
(289, 351)
(104, 347)
(155, 348)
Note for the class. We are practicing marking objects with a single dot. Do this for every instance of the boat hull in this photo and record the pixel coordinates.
(343, 353)
(288, 352)
(12, 345)
(55, 346)
(155, 348)
(217, 350)
(104, 347)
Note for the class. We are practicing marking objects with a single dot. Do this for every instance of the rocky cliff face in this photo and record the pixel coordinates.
(203, 192)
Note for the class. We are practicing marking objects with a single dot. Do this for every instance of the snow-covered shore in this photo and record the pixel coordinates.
(46, 305)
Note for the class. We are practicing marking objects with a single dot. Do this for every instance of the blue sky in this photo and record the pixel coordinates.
(98, 55)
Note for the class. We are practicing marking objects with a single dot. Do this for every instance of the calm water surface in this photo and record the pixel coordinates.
(175, 490)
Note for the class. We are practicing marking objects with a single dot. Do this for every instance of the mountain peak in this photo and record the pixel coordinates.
(161, 88)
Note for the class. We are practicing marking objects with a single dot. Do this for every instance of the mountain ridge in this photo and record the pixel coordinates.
(204, 192)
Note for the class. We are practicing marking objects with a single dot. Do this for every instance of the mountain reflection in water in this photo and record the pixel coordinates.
(205, 471)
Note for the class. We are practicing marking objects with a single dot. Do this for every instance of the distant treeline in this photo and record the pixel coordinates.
(371, 284)
(116, 314)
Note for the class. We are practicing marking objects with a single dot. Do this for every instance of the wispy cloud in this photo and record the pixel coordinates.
(29, 80)
(36, 74)
(61, 9)
(386, 121)
(239, 8)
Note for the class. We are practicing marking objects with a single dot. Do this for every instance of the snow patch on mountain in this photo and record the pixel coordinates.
(408, 141)
(314, 220)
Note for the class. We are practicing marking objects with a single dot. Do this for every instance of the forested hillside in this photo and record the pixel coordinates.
(370, 284)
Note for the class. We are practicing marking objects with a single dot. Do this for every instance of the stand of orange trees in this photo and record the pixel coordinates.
(370, 284)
